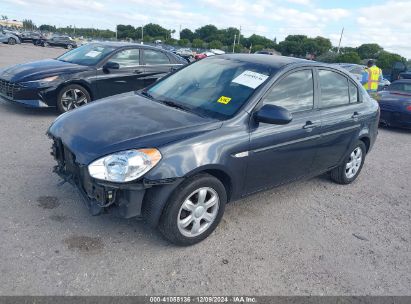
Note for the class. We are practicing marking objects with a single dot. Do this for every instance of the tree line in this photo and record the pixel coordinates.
(229, 39)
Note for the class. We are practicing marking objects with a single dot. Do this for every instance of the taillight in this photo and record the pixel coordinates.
(408, 108)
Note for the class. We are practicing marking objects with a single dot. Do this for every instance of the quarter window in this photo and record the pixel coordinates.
(353, 92)
(127, 58)
(334, 89)
(154, 57)
(295, 92)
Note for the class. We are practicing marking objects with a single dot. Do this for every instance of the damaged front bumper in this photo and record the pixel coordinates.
(124, 200)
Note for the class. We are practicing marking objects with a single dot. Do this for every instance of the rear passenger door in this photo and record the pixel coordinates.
(281, 153)
(157, 64)
(340, 109)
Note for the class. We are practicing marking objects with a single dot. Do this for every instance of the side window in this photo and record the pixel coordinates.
(353, 92)
(295, 92)
(334, 89)
(127, 58)
(154, 57)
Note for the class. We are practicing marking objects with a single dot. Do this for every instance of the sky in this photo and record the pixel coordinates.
(387, 23)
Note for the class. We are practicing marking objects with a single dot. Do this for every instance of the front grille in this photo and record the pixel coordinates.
(8, 89)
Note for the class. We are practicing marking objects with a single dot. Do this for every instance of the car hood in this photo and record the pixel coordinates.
(125, 121)
(39, 69)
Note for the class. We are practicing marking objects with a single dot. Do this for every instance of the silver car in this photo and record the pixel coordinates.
(8, 37)
(357, 71)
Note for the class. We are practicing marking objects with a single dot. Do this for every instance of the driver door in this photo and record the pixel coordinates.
(129, 77)
(281, 153)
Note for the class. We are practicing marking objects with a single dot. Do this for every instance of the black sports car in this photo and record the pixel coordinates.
(87, 73)
(395, 104)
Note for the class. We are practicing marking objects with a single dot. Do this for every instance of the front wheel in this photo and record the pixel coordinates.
(193, 210)
(72, 97)
(349, 170)
(12, 41)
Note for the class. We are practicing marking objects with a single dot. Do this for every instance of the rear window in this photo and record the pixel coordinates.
(334, 89)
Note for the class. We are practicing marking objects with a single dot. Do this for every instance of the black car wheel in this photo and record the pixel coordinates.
(349, 170)
(69, 46)
(12, 41)
(72, 97)
(45, 44)
(194, 210)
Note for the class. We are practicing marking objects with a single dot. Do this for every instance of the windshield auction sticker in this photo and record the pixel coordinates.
(93, 54)
(250, 79)
(224, 100)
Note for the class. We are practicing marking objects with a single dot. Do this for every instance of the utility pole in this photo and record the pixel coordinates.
(339, 44)
(179, 33)
(235, 36)
(116, 32)
(239, 36)
(142, 33)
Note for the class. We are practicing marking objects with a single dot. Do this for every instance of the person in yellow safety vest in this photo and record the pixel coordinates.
(371, 77)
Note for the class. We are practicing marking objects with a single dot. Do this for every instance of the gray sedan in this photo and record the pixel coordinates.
(8, 37)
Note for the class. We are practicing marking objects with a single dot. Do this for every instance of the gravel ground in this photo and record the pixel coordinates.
(310, 237)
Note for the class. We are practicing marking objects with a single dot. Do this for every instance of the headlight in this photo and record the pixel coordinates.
(124, 166)
(42, 82)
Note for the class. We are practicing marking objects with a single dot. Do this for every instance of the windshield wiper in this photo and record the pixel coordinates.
(175, 105)
(146, 94)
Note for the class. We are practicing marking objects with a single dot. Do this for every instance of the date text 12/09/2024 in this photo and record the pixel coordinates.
(203, 299)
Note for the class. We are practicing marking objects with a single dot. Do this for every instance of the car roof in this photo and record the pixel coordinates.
(402, 81)
(126, 44)
(275, 62)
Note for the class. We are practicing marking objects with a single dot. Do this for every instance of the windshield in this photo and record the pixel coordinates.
(89, 54)
(216, 87)
(400, 87)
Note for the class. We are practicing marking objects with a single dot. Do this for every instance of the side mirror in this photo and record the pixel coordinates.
(110, 65)
(272, 114)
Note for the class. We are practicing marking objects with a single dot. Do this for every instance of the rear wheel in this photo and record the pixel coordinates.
(45, 44)
(12, 41)
(193, 210)
(69, 46)
(72, 97)
(349, 170)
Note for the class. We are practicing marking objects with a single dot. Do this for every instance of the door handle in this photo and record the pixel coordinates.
(138, 72)
(309, 125)
(355, 115)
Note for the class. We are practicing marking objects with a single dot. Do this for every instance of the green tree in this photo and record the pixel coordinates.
(4, 17)
(369, 50)
(183, 42)
(351, 57)
(207, 33)
(197, 43)
(329, 57)
(187, 34)
(28, 24)
(155, 30)
(385, 59)
(215, 44)
(47, 28)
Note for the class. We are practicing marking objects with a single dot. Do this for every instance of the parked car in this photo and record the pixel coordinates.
(357, 70)
(186, 54)
(63, 41)
(395, 104)
(29, 36)
(215, 131)
(8, 37)
(90, 72)
(405, 75)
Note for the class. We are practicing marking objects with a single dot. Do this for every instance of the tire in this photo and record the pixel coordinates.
(205, 219)
(45, 44)
(69, 46)
(12, 41)
(345, 173)
(72, 94)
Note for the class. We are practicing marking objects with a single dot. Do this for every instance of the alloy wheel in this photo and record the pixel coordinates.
(72, 99)
(354, 163)
(198, 212)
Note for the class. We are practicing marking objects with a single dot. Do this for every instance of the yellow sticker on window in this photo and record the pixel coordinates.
(224, 99)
